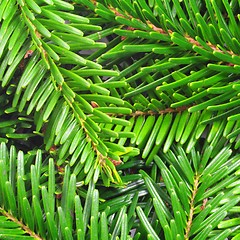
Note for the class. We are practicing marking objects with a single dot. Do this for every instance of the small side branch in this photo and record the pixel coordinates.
(191, 213)
(21, 224)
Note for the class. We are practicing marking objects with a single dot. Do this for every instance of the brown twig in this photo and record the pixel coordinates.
(150, 112)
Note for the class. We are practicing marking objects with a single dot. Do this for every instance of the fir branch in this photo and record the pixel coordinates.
(169, 32)
(191, 213)
(21, 224)
(37, 35)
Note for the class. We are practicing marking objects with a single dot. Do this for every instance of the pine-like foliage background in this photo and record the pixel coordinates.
(119, 119)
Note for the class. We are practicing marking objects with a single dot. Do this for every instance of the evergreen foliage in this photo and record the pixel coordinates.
(119, 119)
